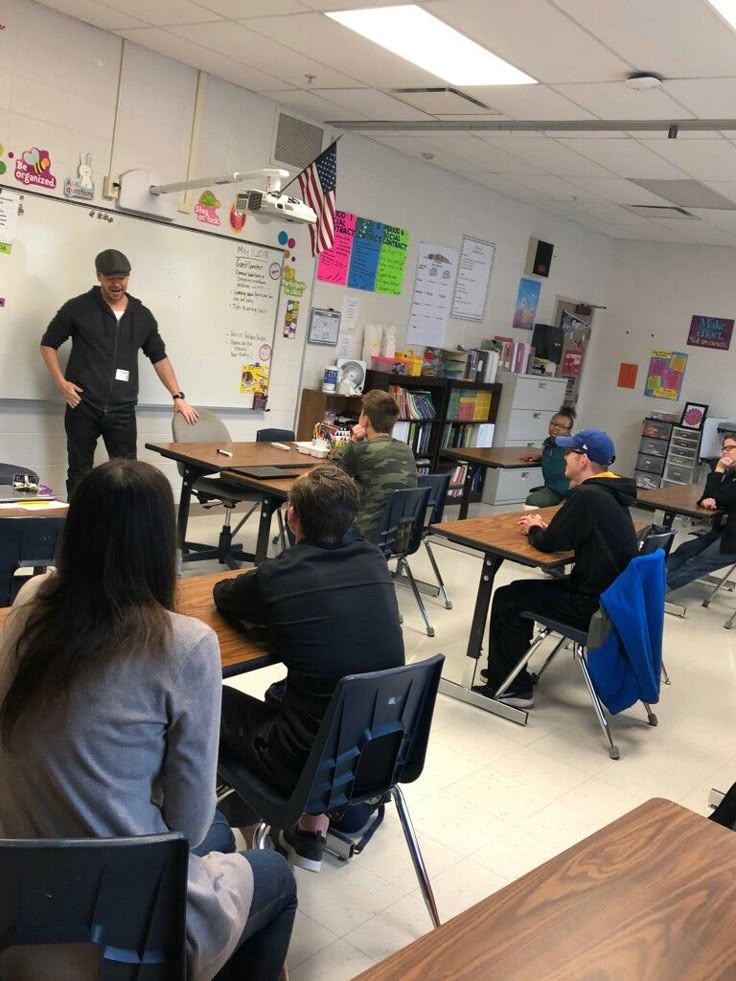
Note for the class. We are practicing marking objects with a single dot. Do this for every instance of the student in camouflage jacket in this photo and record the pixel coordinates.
(377, 462)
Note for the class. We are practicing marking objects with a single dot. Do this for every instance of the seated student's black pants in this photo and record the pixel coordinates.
(84, 425)
(510, 635)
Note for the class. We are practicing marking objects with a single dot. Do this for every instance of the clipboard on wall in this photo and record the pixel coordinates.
(324, 326)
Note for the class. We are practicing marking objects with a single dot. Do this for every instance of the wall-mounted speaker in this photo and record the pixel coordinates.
(539, 258)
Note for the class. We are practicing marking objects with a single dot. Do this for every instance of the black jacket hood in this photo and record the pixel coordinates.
(622, 488)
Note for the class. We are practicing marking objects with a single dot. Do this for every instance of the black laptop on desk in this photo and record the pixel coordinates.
(264, 473)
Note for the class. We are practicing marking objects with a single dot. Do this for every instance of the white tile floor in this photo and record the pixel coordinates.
(495, 799)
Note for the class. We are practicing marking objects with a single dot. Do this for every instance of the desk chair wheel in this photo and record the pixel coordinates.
(613, 752)
(448, 605)
(430, 631)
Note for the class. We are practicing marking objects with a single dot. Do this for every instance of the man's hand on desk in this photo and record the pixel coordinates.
(531, 521)
(710, 503)
(531, 458)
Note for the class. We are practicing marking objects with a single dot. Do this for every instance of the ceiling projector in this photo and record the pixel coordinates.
(269, 205)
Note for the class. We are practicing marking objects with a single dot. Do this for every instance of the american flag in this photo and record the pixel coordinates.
(317, 183)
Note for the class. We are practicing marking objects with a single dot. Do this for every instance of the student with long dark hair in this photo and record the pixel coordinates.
(110, 717)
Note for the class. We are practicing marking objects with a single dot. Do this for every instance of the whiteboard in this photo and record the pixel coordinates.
(215, 300)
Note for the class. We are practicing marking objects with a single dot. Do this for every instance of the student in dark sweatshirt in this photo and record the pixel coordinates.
(595, 523)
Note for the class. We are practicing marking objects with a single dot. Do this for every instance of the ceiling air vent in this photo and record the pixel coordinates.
(660, 211)
(297, 142)
(443, 101)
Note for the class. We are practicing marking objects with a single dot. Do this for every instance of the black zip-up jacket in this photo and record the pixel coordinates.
(101, 346)
(722, 488)
(594, 521)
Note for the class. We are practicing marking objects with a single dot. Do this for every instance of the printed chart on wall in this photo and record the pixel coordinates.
(366, 255)
(666, 374)
(474, 272)
(431, 301)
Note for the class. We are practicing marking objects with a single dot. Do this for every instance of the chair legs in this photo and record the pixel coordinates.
(542, 635)
(261, 833)
(403, 567)
(438, 576)
(729, 623)
(718, 587)
(613, 751)
(416, 854)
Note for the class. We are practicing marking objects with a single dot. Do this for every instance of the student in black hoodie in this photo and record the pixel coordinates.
(107, 328)
(717, 548)
(595, 523)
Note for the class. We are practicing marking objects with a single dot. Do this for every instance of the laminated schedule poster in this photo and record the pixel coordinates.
(666, 374)
(434, 285)
(474, 272)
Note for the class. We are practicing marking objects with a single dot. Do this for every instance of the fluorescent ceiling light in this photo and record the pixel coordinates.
(422, 39)
(727, 10)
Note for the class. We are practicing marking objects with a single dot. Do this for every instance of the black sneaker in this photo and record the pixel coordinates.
(302, 849)
(516, 699)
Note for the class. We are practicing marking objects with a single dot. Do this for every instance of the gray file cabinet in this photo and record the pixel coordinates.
(528, 402)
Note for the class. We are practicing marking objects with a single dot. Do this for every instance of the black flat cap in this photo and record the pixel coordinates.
(112, 263)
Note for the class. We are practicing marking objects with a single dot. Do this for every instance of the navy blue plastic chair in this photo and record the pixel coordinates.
(26, 543)
(112, 909)
(439, 485)
(400, 535)
(373, 737)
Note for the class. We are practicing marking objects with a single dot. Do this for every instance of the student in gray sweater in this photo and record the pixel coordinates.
(110, 717)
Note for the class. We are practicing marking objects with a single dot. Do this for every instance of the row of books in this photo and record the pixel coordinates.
(516, 356)
(454, 437)
(414, 404)
(457, 481)
(418, 436)
(468, 405)
(482, 365)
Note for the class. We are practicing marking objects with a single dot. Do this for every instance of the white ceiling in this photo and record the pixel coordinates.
(581, 51)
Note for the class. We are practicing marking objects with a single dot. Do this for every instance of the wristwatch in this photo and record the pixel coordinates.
(179, 395)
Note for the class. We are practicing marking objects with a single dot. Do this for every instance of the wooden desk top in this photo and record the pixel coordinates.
(278, 488)
(682, 499)
(194, 598)
(58, 512)
(650, 896)
(504, 457)
(205, 455)
(499, 534)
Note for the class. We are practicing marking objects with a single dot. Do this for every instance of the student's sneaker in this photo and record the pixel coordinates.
(303, 849)
(516, 699)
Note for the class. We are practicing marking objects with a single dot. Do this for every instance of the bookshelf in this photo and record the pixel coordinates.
(315, 403)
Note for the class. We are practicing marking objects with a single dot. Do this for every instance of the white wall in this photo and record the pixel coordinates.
(654, 290)
(160, 127)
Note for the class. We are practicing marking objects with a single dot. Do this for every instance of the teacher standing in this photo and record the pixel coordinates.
(107, 328)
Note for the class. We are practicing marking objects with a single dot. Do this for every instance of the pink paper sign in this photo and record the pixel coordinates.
(334, 263)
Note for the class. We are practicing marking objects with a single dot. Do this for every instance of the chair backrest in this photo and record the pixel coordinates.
(402, 521)
(208, 428)
(373, 736)
(126, 895)
(274, 435)
(439, 485)
(655, 540)
(9, 470)
(25, 542)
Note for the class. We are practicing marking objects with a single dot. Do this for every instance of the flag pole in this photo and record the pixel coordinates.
(297, 176)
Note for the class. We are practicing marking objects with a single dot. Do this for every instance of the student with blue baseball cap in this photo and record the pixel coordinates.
(594, 523)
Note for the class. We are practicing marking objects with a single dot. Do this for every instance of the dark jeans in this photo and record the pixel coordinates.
(84, 425)
(696, 558)
(510, 636)
(264, 943)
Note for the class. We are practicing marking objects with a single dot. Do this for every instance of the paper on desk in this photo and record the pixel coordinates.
(38, 505)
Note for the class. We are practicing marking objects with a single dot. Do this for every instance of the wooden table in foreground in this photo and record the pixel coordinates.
(238, 653)
(498, 538)
(651, 896)
(503, 457)
(200, 459)
(682, 499)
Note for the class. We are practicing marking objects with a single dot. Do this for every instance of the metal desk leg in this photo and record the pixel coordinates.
(268, 506)
(465, 499)
(185, 497)
(464, 692)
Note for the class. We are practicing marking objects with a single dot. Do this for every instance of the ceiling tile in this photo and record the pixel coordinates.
(328, 42)
(613, 100)
(548, 186)
(663, 134)
(478, 154)
(193, 54)
(528, 102)
(243, 9)
(683, 39)
(556, 158)
(726, 188)
(98, 14)
(242, 44)
(444, 102)
(370, 104)
(309, 102)
(617, 189)
(534, 36)
(163, 13)
(627, 158)
(706, 98)
(710, 160)
(349, 4)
